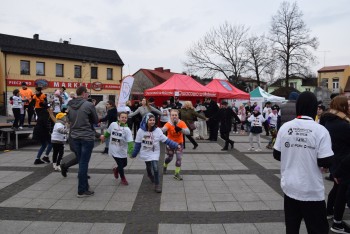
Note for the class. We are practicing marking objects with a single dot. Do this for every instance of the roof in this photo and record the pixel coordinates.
(158, 75)
(181, 85)
(260, 94)
(225, 90)
(37, 47)
(333, 68)
(248, 79)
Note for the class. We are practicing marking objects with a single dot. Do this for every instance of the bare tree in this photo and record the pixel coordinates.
(292, 40)
(219, 51)
(260, 57)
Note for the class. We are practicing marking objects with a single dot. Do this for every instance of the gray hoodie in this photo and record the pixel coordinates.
(81, 116)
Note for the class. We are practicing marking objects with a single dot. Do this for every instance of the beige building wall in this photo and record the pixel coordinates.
(341, 75)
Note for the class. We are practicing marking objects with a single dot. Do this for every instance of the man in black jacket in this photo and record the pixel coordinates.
(225, 118)
(212, 114)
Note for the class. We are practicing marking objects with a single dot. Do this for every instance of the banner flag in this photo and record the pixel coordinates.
(125, 91)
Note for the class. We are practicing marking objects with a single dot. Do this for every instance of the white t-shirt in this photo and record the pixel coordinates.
(17, 102)
(256, 121)
(301, 142)
(273, 119)
(124, 109)
(267, 111)
(166, 114)
(150, 147)
(118, 140)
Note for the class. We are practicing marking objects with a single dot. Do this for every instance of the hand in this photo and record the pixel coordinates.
(206, 119)
(102, 138)
(177, 129)
(324, 170)
(337, 180)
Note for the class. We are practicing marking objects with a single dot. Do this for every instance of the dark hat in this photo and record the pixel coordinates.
(224, 102)
(24, 84)
(64, 88)
(38, 89)
(274, 107)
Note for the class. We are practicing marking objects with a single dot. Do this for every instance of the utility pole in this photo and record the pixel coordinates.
(324, 55)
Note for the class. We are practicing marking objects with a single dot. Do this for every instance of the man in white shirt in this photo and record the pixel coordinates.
(304, 149)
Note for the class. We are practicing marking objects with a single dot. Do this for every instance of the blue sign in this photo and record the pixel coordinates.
(225, 85)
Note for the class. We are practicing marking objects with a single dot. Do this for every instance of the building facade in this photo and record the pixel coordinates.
(335, 78)
(299, 83)
(52, 65)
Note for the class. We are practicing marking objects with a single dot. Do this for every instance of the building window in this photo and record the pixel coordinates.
(307, 89)
(59, 70)
(77, 71)
(335, 85)
(293, 84)
(109, 74)
(25, 67)
(40, 69)
(93, 72)
(325, 82)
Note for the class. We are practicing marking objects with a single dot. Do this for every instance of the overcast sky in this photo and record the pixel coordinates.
(157, 33)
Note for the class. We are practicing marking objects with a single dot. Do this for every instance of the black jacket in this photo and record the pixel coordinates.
(225, 116)
(339, 130)
(212, 110)
(112, 116)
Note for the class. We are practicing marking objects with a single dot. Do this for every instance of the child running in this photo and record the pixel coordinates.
(120, 144)
(147, 143)
(58, 139)
(175, 129)
(256, 120)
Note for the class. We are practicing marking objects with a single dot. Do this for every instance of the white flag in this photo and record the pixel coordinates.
(125, 91)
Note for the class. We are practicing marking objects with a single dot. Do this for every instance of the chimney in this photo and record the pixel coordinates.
(167, 70)
(36, 36)
(65, 42)
(160, 69)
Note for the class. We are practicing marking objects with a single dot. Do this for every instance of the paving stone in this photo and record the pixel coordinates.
(13, 226)
(40, 227)
(240, 228)
(174, 228)
(76, 228)
(208, 229)
(227, 206)
(200, 206)
(107, 228)
(254, 205)
(173, 206)
(221, 197)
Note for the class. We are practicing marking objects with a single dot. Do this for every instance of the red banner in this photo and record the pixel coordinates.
(58, 84)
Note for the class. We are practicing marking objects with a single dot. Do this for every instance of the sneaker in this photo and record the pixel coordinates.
(38, 161)
(54, 166)
(340, 227)
(251, 149)
(164, 170)
(64, 170)
(58, 168)
(46, 159)
(329, 216)
(258, 150)
(177, 176)
(124, 181)
(115, 172)
(85, 194)
(157, 188)
(20, 127)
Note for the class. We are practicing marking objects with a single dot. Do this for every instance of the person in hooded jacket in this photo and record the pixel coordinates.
(147, 144)
(225, 118)
(112, 116)
(337, 122)
(305, 149)
(82, 116)
(256, 120)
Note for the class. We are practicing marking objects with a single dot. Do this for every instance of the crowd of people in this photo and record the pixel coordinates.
(306, 137)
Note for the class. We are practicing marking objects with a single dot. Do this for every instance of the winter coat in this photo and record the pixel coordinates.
(225, 117)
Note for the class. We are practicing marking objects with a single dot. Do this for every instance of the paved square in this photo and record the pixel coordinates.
(56, 192)
(265, 160)
(218, 193)
(9, 177)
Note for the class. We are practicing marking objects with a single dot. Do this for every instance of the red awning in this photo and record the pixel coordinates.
(225, 90)
(182, 86)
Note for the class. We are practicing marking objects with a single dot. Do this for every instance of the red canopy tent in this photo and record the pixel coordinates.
(225, 90)
(182, 86)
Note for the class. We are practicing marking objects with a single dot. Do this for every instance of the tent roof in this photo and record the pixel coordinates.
(180, 85)
(225, 90)
(259, 93)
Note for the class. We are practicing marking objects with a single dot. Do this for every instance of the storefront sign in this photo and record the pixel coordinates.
(97, 86)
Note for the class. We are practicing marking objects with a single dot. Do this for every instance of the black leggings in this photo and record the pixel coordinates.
(337, 200)
(121, 162)
(58, 150)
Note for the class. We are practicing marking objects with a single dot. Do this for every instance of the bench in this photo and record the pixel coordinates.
(16, 132)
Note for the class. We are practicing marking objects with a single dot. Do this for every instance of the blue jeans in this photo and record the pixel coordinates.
(83, 150)
(153, 165)
(44, 143)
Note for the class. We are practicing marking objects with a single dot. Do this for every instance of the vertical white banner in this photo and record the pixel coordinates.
(125, 91)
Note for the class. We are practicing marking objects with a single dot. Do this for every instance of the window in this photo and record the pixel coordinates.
(93, 72)
(307, 89)
(59, 70)
(109, 74)
(77, 71)
(335, 85)
(25, 67)
(293, 84)
(40, 69)
(325, 82)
